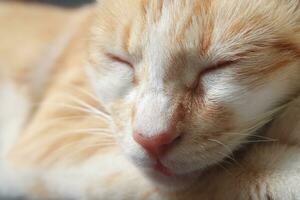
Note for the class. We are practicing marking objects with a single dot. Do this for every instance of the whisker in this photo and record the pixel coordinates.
(103, 131)
(222, 144)
(225, 169)
(88, 106)
(95, 145)
(53, 121)
(259, 141)
(75, 154)
(263, 137)
(85, 92)
(229, 151)
(95, 131)
(89, 94)
(232, 159)
(245, 134)
(99, 144)
(78, 108)
(50, 139)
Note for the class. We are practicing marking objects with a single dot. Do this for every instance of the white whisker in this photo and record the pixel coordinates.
(222, 144)
(62, 135)
(259, 141)
(99, 144)
(77, 108)
(229, 151)
(92, 109)
(81, 90)
(89, 94)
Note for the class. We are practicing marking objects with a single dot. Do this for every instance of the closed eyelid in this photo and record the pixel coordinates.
(219, 65)
(119, 59)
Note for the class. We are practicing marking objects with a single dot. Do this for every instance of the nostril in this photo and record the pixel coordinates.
(146, 142)
(178, 138)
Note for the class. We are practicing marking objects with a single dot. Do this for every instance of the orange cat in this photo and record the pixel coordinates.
(188, 100)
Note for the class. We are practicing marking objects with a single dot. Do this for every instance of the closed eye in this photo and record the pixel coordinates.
(219, 65)
(119, 60)
(211, 68)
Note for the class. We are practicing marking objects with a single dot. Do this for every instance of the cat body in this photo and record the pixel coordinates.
(178, 100)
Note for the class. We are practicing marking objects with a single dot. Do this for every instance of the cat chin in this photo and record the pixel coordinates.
(165, 180)
(174, 182)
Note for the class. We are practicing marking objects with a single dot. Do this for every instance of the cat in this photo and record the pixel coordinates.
(192, 99)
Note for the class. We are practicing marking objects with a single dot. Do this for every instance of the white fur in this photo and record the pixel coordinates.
(15, 108)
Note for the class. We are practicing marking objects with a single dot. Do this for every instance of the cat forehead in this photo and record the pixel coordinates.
(199, 25)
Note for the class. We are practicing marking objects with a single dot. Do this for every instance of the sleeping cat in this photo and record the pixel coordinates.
(192, 99)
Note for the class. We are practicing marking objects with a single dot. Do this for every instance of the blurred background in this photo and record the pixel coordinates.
(35, 32)
(66, 3)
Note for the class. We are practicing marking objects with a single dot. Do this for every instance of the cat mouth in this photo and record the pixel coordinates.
(160, 168)
(167, 172)
(163, 170)
(167, 178)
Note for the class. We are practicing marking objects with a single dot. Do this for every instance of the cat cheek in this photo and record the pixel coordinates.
(112, 85)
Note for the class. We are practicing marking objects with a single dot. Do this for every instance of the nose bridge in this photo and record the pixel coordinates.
(155, 114)
(156, 110)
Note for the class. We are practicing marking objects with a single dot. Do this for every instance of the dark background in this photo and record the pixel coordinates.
(64, 3)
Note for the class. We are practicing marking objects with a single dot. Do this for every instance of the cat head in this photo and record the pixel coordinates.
(186, 82)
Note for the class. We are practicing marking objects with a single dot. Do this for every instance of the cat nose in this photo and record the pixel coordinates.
(156, 145)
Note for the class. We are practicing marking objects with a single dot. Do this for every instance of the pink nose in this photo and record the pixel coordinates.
(156, 145)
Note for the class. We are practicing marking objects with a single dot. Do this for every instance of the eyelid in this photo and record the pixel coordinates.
(219, 65)
(119, 59)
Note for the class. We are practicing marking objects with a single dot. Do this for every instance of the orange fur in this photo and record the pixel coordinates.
(174, 50)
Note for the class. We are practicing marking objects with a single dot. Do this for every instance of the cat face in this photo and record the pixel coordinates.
(186, 82)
